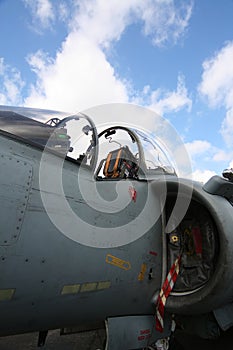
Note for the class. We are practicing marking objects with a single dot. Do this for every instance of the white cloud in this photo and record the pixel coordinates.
(202, 175)
(227, 127)
(104, 21)
(205, 156)
(80, 75)
(63, 11)
(39, 62)
(168, 101)
(42, 11)
(166, 21)
(11, 84)
(217, 78)
(2, 67)
(198, 147)
(207, 160)
(204, 151)
(222, 156)
(217, 86)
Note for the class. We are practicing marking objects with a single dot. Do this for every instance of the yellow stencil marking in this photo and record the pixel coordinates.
(104, 285)
(122, 264)
(141, 274)
(6, 294)
(88, 287)
(85, 287)
(70, 289)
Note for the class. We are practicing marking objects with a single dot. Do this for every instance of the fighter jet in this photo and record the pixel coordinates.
(97, 230)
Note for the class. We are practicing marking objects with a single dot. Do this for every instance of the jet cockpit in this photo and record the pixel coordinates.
(115, 152)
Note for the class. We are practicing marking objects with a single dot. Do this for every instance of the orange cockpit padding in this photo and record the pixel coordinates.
(120, 163)
(112, 166)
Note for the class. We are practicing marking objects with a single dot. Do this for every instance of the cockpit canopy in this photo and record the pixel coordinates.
(112, 152)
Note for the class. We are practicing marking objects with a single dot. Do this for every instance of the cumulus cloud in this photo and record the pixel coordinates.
(202, 175)
(63, 11)
(198, 147)
(204, 156)
(222, 156)
(163, 21)
(203, 149)
(166, 22)
(42, 13)
(217, 87)
(80, 75)
(227, 127)
(217, 78)
(77, 79)
(167, 101)
(11, 84)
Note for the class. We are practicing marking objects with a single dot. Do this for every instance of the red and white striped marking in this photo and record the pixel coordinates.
(165, 292)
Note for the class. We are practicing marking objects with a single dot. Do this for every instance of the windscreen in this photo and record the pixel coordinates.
(156, 156)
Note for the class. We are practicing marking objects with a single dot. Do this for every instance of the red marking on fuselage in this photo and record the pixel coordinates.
(153, 253)
(133, 193)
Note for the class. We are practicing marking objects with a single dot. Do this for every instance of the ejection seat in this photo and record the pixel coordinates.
(119, 164)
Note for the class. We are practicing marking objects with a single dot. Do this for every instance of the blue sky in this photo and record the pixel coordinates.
(172, 56)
